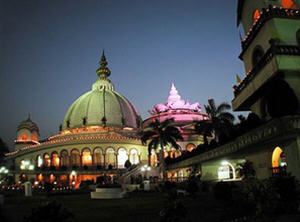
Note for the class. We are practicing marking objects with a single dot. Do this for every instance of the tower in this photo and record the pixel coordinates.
(271, 57)
(27, 133)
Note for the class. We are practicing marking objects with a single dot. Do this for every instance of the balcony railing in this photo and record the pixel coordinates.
(265, 15)
(273, 50)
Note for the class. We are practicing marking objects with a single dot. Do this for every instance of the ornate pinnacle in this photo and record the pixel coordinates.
(103, 72)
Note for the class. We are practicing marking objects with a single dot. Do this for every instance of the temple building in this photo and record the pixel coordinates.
(185, 116)
(98, 134)
(270, 90)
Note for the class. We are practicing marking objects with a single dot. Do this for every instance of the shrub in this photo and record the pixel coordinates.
(222, 191)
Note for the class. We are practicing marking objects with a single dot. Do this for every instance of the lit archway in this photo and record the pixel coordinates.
(55, 159)
(98, 156)
(289, 4)
(75, 157)
(47, 160)
(134, 157)
(64, 158)
(153, 158)
(110, 157)
(122, 157)
(86, 157)
(39, 161)
(278, 159)
(190, 147)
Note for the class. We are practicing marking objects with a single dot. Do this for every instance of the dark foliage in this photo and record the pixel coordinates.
(246, 169)
(3, 149)
(49, 212)
(222, 191)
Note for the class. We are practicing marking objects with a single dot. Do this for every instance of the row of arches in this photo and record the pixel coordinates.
(88, 158)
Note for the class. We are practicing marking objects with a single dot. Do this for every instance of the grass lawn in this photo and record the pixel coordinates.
(137, 207)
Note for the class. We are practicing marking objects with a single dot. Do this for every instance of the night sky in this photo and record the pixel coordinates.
(49, 52)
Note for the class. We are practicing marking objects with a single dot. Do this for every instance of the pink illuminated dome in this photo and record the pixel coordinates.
(180, 110)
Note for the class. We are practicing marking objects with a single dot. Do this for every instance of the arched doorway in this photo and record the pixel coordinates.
(122, 157)
(226, 171)
(47, 160)
(55, 159)
(64, 158)
(110, 157)
(98, 160)
(86, 157)
(278, 162)
(75, 157)
(134, 157)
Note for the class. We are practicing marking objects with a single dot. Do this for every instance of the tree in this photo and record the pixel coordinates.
(3, 149)
(160, 135)
(246, 169)
(220, 122)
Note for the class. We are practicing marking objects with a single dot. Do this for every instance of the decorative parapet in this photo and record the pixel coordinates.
(75, 138)
(288, 126)
(265, 15)
(270, 53)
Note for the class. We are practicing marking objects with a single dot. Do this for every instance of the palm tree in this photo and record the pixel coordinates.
(160, 135)
(219, 123)
(3, 149)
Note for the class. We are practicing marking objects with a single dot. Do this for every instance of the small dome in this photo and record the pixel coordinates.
(28, 124)
(102, 106)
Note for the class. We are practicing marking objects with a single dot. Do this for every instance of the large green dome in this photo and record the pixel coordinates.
(102, 106)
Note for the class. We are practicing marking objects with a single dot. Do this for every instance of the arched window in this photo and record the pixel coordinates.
(110, 157)
(174, 154)
(134, 157)
(258, 53)
(122, 157)
(256, 15)
(98, 156)
(39, 161)
(55, 159)
(288, 4)
(153, 158)
(298, 37)
(86, 157)
(64, 158)
(278, 158)
(75, 157)
(190, 147)
(47, 160)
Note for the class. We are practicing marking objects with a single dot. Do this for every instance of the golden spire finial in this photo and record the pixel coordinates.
(103, 72)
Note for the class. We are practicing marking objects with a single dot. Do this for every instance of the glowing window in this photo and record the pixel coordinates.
(134, 157)
(288, 4)
(174, 154)
(87, 157)
(47, 160)
(55, 159)
(97, 156)
(190, 147)
(256, 15)
(122, 157)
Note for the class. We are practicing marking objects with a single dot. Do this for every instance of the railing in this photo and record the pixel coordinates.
(273, 50)
(267, 14)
